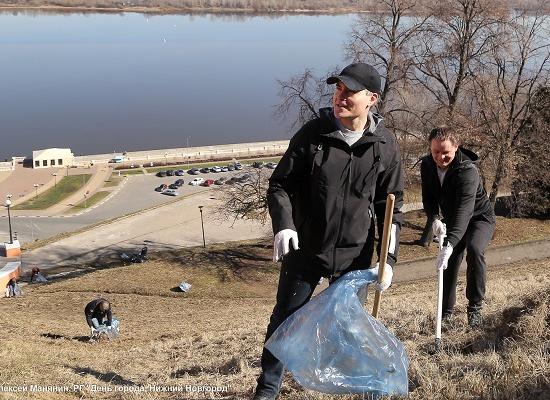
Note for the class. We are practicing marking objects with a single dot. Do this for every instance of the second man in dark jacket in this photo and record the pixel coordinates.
(454, 198)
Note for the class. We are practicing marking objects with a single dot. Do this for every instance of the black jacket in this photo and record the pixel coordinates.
(92, 310)
(327, 192)
(462, 197)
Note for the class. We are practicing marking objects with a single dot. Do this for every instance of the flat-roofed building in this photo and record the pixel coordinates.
(52, 158)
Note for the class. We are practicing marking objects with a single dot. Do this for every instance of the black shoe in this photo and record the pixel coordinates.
(475, 319)
(260, 396)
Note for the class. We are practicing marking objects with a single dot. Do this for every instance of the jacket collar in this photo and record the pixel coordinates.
(331, 128)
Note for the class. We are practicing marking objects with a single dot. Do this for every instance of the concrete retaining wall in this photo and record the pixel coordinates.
(191, 154)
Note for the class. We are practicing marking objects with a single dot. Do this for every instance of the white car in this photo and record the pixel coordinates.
(196, 181)
(170, 192)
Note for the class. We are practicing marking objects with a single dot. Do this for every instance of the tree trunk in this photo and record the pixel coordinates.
(499, 174)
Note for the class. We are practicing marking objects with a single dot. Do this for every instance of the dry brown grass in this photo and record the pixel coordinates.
(213, 335)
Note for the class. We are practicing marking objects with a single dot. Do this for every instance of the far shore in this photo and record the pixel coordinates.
(174, 10)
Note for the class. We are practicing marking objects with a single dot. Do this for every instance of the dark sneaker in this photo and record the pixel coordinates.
(260, 396)
(475, 319)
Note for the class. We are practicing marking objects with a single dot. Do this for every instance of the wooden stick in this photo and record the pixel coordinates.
(384, 250)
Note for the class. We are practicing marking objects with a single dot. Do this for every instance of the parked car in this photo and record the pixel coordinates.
(225, 169)
(170, 172)
(208, 182)
(173, 186)
(220, 181)
(179, 182)
(271, 165)
(193, 171)
(215, 168)
(196, 181)
(180, 172)
(205, 170)
(232, 180)
(161, 174)
(257, 164)
(170, 192)
(238, 166)
(163, 186)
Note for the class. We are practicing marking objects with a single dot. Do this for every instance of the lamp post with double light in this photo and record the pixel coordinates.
(8, 205)
(202, 225)
(36, 189)
(54, 174)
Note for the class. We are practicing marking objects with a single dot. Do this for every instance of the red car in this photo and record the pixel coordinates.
(208, 182)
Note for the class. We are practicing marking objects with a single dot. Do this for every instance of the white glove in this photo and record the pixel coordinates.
(281, 243)
(439, 228)
(443, 257)
(388, 276)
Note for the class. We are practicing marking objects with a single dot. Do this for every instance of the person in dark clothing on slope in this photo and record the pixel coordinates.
(451, 184)
(98, 312)
(323, 197)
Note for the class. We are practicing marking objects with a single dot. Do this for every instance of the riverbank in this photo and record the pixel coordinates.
(175, 10)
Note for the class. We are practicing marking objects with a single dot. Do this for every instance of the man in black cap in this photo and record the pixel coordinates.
(323, 196)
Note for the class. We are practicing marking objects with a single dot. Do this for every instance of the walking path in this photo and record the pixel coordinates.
(521, 252)
(178, 225)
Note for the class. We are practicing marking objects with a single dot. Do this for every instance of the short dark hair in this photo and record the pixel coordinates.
(444, 132)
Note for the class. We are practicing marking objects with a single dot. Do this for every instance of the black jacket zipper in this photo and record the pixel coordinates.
(342, 210)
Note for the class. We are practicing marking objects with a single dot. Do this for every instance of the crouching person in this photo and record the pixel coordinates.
(98, 316)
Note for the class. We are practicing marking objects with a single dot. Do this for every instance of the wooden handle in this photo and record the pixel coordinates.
(384, 250)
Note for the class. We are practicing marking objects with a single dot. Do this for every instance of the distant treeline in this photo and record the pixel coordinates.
(236, 5)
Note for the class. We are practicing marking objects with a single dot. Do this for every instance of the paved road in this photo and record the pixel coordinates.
(136, 193)
(166, 228)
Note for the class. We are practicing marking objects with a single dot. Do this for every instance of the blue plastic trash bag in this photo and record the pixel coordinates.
(184, 286)
(111, 332)
(333, 345)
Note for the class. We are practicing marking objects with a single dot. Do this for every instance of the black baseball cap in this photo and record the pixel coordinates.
(359, 76)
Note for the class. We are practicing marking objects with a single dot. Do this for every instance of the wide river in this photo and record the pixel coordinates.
(99, 83)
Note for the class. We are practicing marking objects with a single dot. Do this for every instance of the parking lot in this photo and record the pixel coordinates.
(173, 182)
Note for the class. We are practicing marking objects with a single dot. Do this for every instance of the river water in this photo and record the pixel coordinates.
(99, 83)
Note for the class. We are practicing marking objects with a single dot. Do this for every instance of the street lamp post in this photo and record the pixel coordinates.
(8, 205)
(36, 189)
(55, 178)
(202, 225)
(188, 156)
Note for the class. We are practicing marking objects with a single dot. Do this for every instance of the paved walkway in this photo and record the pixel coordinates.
(523, 252)
(178, 225)
(20, 183)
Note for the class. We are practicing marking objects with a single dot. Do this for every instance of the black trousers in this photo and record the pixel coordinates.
(297, 282)
(474, 242)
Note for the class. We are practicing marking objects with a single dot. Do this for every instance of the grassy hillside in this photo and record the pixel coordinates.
(213, 335)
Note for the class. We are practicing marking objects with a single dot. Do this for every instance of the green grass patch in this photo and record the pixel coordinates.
(90, 201)
(135, 171)
(113, 181)
(64, 188)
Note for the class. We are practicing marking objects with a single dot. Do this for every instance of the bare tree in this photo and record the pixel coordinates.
(531, 185)
(505, 88)
(384, 40)
(301, 97)
(246, 199)
(451, 48)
